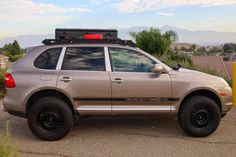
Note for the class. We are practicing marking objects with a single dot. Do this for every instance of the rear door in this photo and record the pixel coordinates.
(84, 77)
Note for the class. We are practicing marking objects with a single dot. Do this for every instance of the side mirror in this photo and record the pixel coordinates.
(177, 67)
(158, 68)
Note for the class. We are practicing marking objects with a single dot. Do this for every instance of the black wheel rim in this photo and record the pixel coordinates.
(201, 116)
(50, 119)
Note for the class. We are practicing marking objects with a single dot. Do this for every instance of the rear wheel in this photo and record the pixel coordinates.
(199, 116)
(50, 118)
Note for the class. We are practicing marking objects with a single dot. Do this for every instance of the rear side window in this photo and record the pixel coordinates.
(84, 58)
(48, 59)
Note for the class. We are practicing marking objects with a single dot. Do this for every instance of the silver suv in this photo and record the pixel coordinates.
(97, 74)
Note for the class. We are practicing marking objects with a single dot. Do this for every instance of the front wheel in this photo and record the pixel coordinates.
(199, 116)
(50, 118)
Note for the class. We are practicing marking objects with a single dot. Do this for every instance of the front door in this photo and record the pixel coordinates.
(136, 89)
(83, 76)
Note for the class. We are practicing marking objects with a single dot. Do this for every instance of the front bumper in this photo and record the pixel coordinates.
(226, 107)
(226, 101)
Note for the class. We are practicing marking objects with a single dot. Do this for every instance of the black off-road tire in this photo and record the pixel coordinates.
(199, 116)
(50, 118)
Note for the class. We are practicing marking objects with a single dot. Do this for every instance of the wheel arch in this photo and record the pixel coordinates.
(203, 92)
(34, 96)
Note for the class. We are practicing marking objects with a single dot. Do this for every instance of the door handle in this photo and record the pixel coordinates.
(118, 80)
(66, 79)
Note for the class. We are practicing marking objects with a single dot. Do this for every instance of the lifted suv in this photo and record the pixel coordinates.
(93, 73)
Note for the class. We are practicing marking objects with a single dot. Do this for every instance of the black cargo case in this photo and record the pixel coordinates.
(77, 34)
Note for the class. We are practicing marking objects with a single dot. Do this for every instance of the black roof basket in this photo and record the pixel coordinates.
(77, 36)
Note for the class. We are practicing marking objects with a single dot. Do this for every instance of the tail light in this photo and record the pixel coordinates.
(93, 36)
(9, 81)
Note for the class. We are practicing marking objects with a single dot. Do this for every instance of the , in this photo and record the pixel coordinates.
(85, 72)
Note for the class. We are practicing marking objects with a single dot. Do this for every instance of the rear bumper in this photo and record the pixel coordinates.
(12, 111)
(15, 113)
(13, 103)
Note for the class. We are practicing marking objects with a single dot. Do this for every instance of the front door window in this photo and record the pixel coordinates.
(124, 60)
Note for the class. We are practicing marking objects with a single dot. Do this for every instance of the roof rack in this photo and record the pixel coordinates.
(68, 41)
(95, 36)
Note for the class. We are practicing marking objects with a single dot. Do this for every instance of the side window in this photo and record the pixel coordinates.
(48, 59)
(124, 60)
(84, 58)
